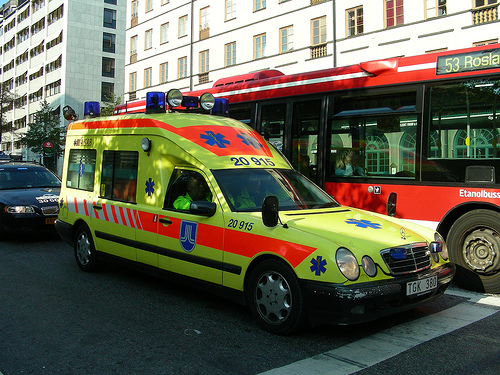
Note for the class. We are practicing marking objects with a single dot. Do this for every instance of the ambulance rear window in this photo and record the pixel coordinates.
(81, 169)
(119, 175)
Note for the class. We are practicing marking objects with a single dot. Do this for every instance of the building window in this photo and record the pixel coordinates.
(112, 2)
(53, 88)
(484, 11)
(259, 4)
(393, 13)
(354, 20)
(109, 18)
(435, 8)
(164, 73)
(149, 5)
(259, 46)
(164, 2)
(183, 26)
(182, 67)
(482, 3)
(133, 49)
(107, 91)
(108, 42)
(134, 14)
(286, 39)
(108, 67)
(318, 31)
(230, 54)
(229, 10)
(204, 28)
(485, 42)
(204, 61)
(163, 33)
(148, 39)
(132, 83)
(147, 77)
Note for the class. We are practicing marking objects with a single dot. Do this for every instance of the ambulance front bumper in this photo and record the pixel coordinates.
(350, 304)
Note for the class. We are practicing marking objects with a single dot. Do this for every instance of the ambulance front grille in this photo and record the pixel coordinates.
(50, 210)
(417, 259)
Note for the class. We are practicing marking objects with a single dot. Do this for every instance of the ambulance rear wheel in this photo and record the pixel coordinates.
(474, 246)
(276, 298)
(85, 253)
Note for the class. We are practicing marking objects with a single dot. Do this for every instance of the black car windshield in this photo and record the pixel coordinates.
(26, 177)
(245, 189)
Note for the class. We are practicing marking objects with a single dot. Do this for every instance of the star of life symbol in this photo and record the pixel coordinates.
(318, 265)
(150, 187)
(213, 139)
(364, 223)
(187, 235)
(81, 169)
(250, 141)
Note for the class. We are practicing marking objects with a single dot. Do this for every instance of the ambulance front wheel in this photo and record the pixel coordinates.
(85, 253)
(276, 298)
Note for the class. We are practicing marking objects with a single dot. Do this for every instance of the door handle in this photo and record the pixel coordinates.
(97, 207)
(165, 221)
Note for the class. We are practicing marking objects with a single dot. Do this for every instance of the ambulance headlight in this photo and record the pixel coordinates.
(174, 98)
(207, 101)
(369, 266)
(19, 209)
(347, 263)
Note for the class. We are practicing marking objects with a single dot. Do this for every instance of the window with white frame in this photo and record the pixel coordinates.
(164, 33)
(394, 14)
(230, 54)
(435, 8)
(204, 61)
(354, 21)
(183, 26)
(204, 18)
(148, 39)
(132, 82)
(147, 77)
(286, 39)
(259, 46)
(163, 73)
(259, 4)
(318, 31)
(149, 5)
(182, 67)
(229, 10)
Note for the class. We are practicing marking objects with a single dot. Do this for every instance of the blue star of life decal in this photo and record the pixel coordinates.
(364, 223)
(215, 139)
(318, 265)
(250, 141)
(81, 169)
(150, 187)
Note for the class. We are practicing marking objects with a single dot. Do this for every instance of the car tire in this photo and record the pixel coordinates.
(85, 252)
(276, 298)
(474, 246)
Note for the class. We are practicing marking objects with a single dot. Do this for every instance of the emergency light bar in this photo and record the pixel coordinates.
(155, 102)
(91, 109)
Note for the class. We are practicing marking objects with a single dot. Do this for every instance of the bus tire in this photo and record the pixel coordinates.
(474, 246)
(276, 298)
(85, 252)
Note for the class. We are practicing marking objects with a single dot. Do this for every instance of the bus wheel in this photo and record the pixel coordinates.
(474, 245)
(276, 298)
(85, 253)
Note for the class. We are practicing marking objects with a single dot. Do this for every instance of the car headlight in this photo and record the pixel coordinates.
(19, 209)
(347, 263)
(369, 266)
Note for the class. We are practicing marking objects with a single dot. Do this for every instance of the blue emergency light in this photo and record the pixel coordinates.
(91, 109)
(221, 107)
(155, 102)
(436, 247)
(189, 102)
(398, 253)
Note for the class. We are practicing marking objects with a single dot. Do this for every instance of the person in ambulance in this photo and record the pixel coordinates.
(212, 203)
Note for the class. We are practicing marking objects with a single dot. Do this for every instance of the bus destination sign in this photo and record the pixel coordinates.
(468, 62)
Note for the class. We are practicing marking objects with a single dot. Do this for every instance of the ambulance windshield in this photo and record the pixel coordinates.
(245, 189)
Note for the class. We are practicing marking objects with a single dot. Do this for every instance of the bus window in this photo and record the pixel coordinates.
(242, 112)
(374, 137)
(273, 124)
(305, 128)
(463, 130)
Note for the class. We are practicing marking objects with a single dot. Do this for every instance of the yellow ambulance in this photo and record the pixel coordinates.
(205, 198)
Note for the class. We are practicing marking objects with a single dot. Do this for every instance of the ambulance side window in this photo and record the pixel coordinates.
(187, 186)
(119, 175)
(81, 169)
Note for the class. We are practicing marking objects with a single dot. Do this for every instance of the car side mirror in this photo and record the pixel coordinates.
(203, 208)
(270, 209)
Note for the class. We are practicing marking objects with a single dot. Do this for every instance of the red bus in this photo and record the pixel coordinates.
(413, 137)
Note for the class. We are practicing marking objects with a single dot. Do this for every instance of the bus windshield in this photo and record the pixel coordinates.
(245, 190)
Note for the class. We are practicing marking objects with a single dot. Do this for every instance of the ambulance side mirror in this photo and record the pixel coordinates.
(203, 208)
(270, 209)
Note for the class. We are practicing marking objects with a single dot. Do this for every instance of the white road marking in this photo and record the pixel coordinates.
(369, 351)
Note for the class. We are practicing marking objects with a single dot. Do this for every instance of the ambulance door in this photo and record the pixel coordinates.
(190, 244)
(115, 220)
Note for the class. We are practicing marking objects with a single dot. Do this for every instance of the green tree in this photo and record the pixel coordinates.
(45, 130)
(109, 104)
(7, 99)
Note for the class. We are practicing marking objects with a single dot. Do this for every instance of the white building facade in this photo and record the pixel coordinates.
(63, 51)
(189, 44)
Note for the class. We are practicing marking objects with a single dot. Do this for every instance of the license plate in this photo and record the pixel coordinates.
(421, 286)
(51, 220)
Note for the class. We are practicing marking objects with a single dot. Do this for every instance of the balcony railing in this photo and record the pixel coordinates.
(485, 14)
(318, 51)
(203, 78)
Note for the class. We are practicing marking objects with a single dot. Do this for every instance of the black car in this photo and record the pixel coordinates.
(28, 198)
